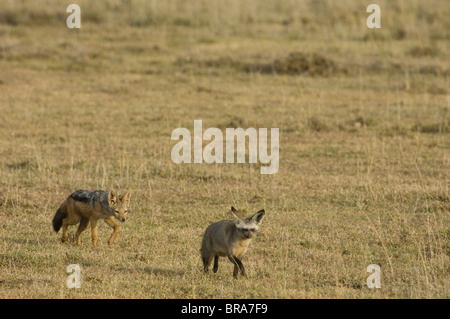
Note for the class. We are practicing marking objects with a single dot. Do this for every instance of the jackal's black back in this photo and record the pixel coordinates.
(90, 197)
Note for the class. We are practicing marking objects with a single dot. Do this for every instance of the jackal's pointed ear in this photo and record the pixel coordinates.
(259, 216)
(112, 198)
(126, 198)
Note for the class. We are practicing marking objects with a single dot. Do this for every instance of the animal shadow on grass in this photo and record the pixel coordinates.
(24, 283)
(163, 272)
(27, 241)
(153, 271)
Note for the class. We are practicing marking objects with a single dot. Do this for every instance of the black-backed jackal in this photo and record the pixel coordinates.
(84, 207)
(228, 238)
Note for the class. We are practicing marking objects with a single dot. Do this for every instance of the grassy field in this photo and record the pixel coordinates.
(364, 123)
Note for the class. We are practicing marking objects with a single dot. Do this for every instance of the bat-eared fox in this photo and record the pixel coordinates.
(84, 207)
(230, 239)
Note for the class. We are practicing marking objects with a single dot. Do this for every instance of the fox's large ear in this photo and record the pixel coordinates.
(126, 198)
(112, 198)
(235, 213)
(259, 216)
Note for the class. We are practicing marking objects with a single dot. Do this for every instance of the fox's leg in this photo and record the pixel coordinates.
(236, 267)
(206, 258)
(216, 263)
(206, 253)
(94, 231)
(241, 266)
(111, 222)
(83, 224)
(206, 262)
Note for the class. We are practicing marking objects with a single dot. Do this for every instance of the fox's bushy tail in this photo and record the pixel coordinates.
(61, 213)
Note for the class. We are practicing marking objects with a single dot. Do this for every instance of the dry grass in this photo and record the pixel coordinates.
(364, 149)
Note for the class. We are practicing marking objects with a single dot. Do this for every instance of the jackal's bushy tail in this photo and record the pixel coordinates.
(61, 213)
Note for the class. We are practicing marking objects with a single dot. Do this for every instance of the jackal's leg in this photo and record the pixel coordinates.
(71, 219)
(216, 263)
(65, 232)
(94, 231)
(83, 224)
(111, 222)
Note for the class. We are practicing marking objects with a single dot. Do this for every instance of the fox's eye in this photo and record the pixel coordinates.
(245, 229)
(116, 211)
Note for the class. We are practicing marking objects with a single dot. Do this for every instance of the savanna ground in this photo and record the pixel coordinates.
(364, 145)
